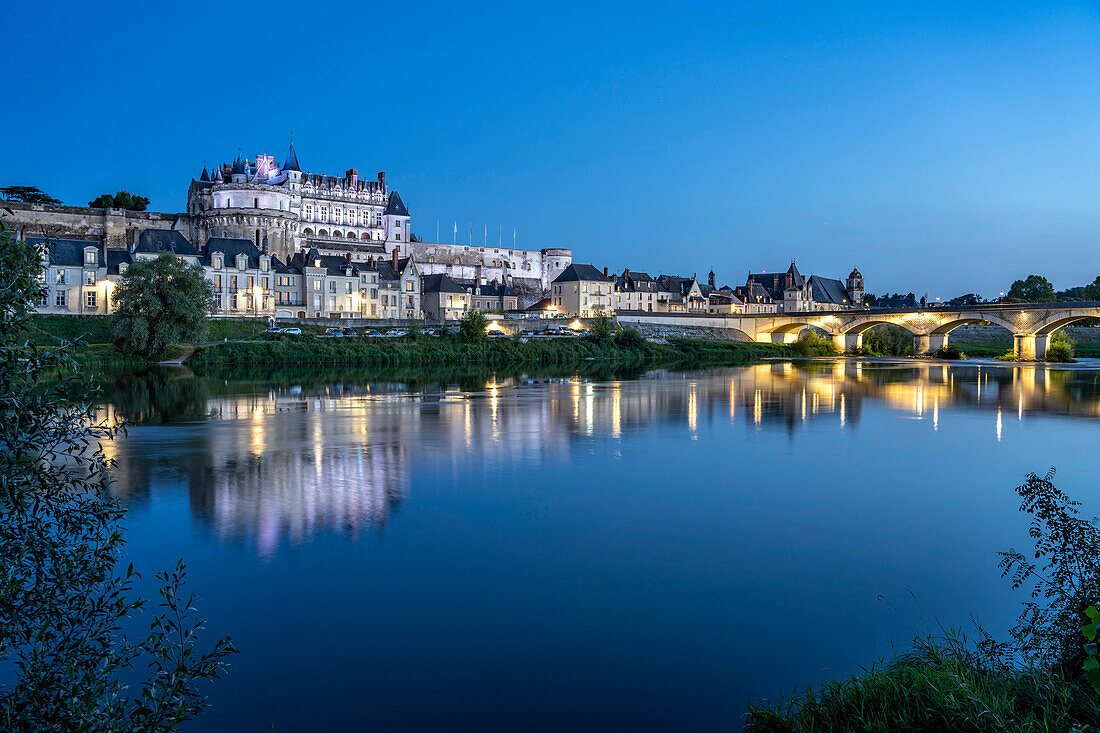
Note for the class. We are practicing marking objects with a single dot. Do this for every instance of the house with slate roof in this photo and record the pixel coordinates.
(443, 298)
(583, 291)
(792, 292)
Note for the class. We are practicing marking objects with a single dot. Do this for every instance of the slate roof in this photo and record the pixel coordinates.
(676, 284)
(441, 283)
(333, 264)
(576, 273)
(542, 305)
(776, 282)
(827, 290)
(395, 206)
(152, 241)
(69, 252)
(205, 175)
(636, 282)
(291, 162)
(231, 247)
(116, 257)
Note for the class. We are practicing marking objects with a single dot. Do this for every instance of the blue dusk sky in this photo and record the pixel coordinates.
(941, 147)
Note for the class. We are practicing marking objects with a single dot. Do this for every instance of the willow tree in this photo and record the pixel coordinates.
(159, 302)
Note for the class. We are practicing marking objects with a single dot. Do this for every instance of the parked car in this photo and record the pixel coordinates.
(581, 332)
(495, 334)
(397, 332)
(528, 333)
(433, 331)
(292, 331)
(334, 333)
(371, 333)
(349, 332)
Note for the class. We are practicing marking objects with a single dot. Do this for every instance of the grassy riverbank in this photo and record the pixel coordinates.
(449, 350)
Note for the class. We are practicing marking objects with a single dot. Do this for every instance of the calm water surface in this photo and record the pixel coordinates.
(585, 553)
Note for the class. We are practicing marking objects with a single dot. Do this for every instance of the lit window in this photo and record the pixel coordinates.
(61, 299)
(89, 277)
(89, 257)
(90, 298)
(59, 277)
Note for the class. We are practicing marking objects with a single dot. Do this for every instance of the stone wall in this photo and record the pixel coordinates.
(117, 227)
(975, 333)
(659, 330)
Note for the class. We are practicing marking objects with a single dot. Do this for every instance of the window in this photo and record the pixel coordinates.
(89, 257)
(348, 285)
(122, 268)
(324, 213)
(232, 283)
(218, 300)
(59, 277)
(332, 303)
(265, 264)
(309, 212)
(255, 203)
(332, 286)
(217, 262)
(61, 299)
(317, 284)
(44, 299)
(89, 277)
(317, 262)
(90, 298)
(218, 282)
(408, 285)
(251, 282)
(398, 237)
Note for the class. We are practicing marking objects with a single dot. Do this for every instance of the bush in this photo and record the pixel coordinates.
(1061, 347)
(941, 684)
(631, 338)
(812, 343)
(887, 340)
(64, 595)
(603, 328)
(473, 327)
(950, 352)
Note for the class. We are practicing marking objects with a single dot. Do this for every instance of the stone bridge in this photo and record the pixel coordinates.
(1031, 324)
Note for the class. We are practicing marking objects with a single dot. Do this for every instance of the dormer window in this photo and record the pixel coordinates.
(265, 263)
(217, 262)
(242, 262)
(89, 256)
(317, 262)
(122, 268)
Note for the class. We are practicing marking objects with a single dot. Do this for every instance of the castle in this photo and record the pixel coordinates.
(284, 211)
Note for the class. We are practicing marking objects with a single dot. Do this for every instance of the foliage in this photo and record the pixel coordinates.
(941, 684)
(603, 328)
(63, 595)
(812, 343)
(887, 340)
(1092, 290)
(1062, 575)
(967, 299)
(160, 302)
(1035, 289)
(120, 200)
(869, 299)
(951, 351)
(473, 327)
(630, 338)
(27, 194)
(1060, 348)
(1091, 630)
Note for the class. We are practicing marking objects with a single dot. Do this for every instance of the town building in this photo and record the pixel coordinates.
(443, 298)
(791, 292)
(583, 291)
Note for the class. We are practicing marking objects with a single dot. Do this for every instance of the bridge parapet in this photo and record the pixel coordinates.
(1031, 324)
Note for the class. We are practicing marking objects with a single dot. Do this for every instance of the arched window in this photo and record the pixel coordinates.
(322, 232)
(307, 230)
(351, 235)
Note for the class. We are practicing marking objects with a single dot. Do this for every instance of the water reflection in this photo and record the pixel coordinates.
(277, 462)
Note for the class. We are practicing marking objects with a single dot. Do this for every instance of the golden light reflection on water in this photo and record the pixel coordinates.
(339, 455)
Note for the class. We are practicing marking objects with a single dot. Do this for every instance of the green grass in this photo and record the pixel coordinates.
(281, 349)
(52, 330)
(986, 350)
(939, 685)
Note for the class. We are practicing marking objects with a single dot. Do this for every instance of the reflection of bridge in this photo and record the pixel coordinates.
(1032, 324)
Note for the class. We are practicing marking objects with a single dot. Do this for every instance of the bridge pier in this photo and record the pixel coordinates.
(845, 342)
(1032, 347)
(928, 343)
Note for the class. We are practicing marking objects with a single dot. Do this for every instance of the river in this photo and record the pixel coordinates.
(504, 552)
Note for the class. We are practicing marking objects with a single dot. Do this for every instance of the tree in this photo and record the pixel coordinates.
(160, 302)
(120, 200)
(473, 327)
(603, 328)
(63, 592)
(27, 194)
(1035, 289)
(968, 299)
(1092, 290)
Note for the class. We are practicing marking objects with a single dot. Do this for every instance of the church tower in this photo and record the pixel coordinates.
(855, 287)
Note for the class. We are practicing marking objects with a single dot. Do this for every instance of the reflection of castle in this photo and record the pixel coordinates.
(283, 464)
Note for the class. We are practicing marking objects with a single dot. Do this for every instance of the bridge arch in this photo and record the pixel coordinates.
(1049, 326)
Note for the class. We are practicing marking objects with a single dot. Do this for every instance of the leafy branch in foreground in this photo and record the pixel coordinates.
(64, 659)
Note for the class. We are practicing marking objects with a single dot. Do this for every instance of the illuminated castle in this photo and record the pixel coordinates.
(283, 210)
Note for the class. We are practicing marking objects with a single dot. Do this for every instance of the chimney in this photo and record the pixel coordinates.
(395, 258)
(626, 272)
(353, 176)
(382, 180)
(347, 257)
(477, 274)
(605, 272)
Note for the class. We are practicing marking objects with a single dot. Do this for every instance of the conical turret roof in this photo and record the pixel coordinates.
(291, 162)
